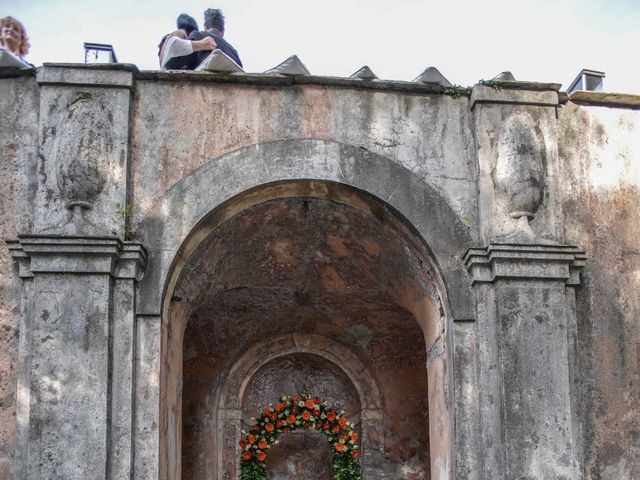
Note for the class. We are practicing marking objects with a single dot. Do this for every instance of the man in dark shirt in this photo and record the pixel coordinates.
(182, 56)
(214, 26)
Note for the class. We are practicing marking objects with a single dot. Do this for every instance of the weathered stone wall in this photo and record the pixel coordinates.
(181, 125)
(19, 104)
(178, 127)
(599, 150)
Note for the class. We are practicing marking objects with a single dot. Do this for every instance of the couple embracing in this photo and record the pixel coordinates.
(187, 47)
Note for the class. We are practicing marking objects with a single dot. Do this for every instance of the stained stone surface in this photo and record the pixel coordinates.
(300, 455)
(431, 157)
(299, 373)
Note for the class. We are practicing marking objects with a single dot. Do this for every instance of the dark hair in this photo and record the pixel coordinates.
(187, 23)
(213, 18)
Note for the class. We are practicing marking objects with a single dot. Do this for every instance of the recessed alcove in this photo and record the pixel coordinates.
(290, 294)
(301, 454)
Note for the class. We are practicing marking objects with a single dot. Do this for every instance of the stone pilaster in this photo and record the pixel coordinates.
(78, 356)
(524, 317)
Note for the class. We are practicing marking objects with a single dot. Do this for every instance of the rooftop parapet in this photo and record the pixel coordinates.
(501, 89)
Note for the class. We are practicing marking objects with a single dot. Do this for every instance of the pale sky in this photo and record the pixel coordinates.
(467, 40)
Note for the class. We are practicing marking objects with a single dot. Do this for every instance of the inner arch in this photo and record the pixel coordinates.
(348, 272)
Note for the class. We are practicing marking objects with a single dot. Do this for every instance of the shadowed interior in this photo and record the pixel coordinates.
(304, 266)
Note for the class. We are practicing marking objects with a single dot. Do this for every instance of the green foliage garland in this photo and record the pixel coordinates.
(300, 412)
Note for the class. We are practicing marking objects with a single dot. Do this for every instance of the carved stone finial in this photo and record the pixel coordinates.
(83, 152)
(504, 77)
(519, 176)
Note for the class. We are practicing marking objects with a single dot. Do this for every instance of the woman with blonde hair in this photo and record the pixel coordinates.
(13, 37)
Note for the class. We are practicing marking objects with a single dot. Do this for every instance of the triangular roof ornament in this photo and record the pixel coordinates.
(433, 75)
(9, 60)
(218, 61)
(291, 66)
(365, 73)
(504, 77)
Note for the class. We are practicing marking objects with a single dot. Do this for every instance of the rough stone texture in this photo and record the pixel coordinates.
(202, 148)
(70, 350)
(147, 398)
(524, 292)
(599, 151)
(75, 355)
(18, 157)
(429, 135)
(300, 455)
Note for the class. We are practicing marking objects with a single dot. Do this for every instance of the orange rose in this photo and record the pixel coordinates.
(344, 436)
(306, 415)
(269, 427)
(262, 444)
(251, 438)
(243, 444)
(310, 404)
(326, 426)
(342, 421)
(354, 436)
(340, 447)
(246, 456)
(261, 456)
(331, 416)
(335, 429)
(291, 419)
(279, 407)
(267, 412)
(280, 423)
(355, 454)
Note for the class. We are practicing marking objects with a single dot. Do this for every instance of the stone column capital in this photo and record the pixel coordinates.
(78, 254)
(533, 262)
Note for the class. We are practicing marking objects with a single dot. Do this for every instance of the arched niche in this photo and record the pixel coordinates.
(232, 399)
(432, 317)
(302, 371)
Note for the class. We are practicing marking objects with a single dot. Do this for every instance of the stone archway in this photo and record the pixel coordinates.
(428, 317)
(226, 186)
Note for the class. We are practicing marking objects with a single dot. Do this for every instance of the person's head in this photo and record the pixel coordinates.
(187, 23)
(213, 19)
(13, 36)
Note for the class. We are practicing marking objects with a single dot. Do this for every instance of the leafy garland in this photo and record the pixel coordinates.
(294, 413)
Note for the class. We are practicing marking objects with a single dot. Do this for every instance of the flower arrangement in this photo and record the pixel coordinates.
(300, 412)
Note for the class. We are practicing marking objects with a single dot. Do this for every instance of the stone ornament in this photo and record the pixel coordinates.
(432, 75)
(82, 151)
(519, 175)
(219, 61)
(291, 66)
(364, 73)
